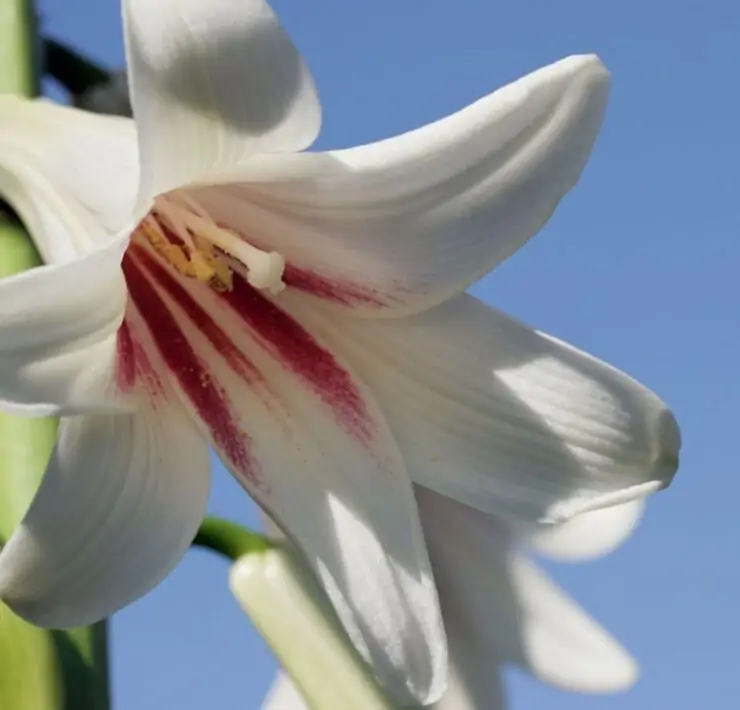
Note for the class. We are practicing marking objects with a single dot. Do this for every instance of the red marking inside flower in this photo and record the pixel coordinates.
(132, 364)
(125, 359)
(210, 401)
(221, 342)
(299, 352)
(337, 291)
(171, 237)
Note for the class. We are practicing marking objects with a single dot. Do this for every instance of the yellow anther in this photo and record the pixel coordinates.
(206, 247)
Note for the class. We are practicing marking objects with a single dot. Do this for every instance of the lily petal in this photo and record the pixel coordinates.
(474, 683)
(120, 503)
(211, 84)
(283, 695)
(58, 323)
(505, 608)
(502, 417)
(305, 438)
(483, 689)
(58, 335)
(586, 536)
(51, 173)
(398, 226)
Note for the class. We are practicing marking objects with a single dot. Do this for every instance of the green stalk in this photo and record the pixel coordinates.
(19, 46)
(229, 539)
(39, 669)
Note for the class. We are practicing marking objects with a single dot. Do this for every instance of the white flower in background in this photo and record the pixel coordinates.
(303, 314)
(500, 609)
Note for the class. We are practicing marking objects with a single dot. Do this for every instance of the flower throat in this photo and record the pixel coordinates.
(185, 236)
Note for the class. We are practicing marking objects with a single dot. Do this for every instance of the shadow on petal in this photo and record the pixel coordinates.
(246, 60)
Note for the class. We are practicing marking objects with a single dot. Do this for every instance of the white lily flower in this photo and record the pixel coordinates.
(209, 284)
(500, 609)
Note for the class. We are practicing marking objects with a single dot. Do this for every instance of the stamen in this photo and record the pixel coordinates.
(264, 269)
(192, 260)
(198, 257)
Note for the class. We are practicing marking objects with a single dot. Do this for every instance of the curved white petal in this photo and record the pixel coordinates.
(474, 681)
(120, 503)
(504, 418)
(305, 438)
(283, 695)
(559, 643)
(399, 226)
(72, 176)
(58, 335)
(58, 323)
(586, 536)
(211, 84)
(504, 607)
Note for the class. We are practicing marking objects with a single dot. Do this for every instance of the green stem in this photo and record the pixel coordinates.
(25, 444)
(18, 48)
(229, 539)
(39, 669)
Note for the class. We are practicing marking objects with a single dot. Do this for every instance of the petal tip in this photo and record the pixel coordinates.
(669, 442)
(618, 675)
(586, 81)
(604, 668)
(435, 692)
(585, 66)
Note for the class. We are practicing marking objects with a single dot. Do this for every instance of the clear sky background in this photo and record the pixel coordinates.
(639, 266)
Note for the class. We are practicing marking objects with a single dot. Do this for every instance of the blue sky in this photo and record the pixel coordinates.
(639, 266)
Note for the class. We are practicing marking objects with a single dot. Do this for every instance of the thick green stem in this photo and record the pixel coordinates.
(39, 669)
(18, 48)
(25, 444)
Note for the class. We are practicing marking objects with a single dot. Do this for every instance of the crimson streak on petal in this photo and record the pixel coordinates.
(132, 365)
(211, 403)
(344, 293)
(125, 359)
(221, 342)
(299, 353)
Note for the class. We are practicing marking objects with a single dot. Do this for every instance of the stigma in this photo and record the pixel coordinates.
(193, 244)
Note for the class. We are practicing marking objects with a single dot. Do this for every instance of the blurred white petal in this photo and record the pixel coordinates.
(283, 695)
(503, 607)
(586, 536)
